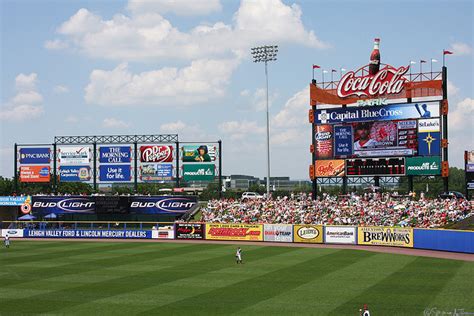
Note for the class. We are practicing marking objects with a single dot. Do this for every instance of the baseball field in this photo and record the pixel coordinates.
(58, 277)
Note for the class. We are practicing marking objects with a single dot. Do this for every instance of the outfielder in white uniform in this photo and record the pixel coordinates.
(6, 241)
(238, 255)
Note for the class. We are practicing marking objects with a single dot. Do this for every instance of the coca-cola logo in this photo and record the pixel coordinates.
(156, 154)
(322, 136)
(388, 80)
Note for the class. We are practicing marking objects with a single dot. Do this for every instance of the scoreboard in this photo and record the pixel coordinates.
(375, 167)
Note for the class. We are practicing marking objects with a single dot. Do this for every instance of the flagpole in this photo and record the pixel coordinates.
(313, 72)
(443, 56)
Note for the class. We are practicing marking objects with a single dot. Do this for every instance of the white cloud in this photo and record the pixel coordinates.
(173, 127)
(199, 82)
(25, 105)
(461, 134)
(147, 35)
(295, 111)
(55, 44)
(240, 130)
(179, 7)
(71, 119)
(114, 123)
(245, 93)
(289, 136)
(452, 89)
(60, 89)
(460, 48)
(189, 132)
(260, 100)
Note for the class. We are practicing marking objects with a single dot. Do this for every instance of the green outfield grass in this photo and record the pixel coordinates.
(56, 277)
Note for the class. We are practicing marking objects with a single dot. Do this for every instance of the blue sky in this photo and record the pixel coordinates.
(117, 67)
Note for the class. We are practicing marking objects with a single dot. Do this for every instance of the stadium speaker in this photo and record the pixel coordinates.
(311, 148)
(444, 143)
(444, 107)
(444, 169)
(311, 172)
(311, 116)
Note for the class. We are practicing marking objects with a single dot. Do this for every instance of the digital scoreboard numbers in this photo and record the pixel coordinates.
(375, 167)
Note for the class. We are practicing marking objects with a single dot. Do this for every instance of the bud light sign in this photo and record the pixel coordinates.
(35, 155)
(114, 154)
(62, 204)
(114, 173)
(171, 205)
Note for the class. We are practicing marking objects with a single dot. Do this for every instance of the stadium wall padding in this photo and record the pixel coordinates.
(446, 240)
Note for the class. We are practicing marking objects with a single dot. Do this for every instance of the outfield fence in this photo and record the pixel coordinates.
(434, 239)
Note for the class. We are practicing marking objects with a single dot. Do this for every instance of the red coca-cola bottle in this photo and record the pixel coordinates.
(374, 64)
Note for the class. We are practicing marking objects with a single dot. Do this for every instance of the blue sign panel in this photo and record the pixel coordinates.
(114, 173)
(429, 143)
(377, 113)
(14, 200)
(62, 204)
(39, 155)
(156, 172)
(171, 205)
(74, 173)
(342, 141)
(88, 233)
(114, 154)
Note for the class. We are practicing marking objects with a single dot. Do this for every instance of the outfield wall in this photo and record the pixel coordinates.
(432, 239)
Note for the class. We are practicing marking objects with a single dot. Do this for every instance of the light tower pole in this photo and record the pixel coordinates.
(266, 54)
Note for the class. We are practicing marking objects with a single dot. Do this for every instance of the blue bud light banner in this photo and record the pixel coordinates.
(74, 173)
(115, 154)
(44, 205)
(171, 205)
(115, 173)
(342, 141)
(38, 155)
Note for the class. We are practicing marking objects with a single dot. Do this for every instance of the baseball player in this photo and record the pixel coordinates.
(6, 241)
(238, 256)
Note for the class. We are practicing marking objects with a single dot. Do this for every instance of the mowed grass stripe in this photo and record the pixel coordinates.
(73, 296)
(327, 292)
(237, 297)
(409, 290)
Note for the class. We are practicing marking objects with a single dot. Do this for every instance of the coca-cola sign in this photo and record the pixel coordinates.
(156, 153)
(388, 80)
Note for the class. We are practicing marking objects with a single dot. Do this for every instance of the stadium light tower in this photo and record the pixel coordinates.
(265, 54)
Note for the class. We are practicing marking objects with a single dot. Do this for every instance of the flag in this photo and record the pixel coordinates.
(447, 52)
(333, 70)
(422, 61)
(412, 62)
(316, 66)
(434, 60)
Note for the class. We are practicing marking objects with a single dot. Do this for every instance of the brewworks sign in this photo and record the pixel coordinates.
(386, 236)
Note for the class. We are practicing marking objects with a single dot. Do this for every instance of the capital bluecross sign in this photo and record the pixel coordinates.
(423, 166)
(199, 172)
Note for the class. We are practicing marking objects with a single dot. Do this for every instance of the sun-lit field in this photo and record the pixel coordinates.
(93, 278)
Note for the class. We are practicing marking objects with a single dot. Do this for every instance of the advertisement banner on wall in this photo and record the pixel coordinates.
(14, 200)
(308, 233)
(199, 172)
(115, 154)
(252, 232)
(62, 204)
(156, 172)
(423, 166)
(35, 174)
(470, 167)
(377, 113)
(74, 173)
(156, 153)
(12, 233)
(88, 233)
(201, 153)
(163, 233)
(74, 155)
(324, 141)
(170, 205)
(429, 144)
(330, 168)
(115, 173)
(37, 155)
(278, 232)
(340, 234)
(385, 236)
(343, 141)
(189, 231)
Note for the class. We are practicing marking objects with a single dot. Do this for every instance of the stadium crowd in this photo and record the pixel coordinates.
(367, 210)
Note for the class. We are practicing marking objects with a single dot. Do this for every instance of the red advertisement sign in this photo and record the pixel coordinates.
(157, 153)
(34, 174)
(324, 141)
(330, 168)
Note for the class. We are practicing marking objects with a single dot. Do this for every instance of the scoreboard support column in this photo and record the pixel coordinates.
(410, 183)
(344, 185)
(15, 168)
(445, 123)
(377, 181)
(313, 154)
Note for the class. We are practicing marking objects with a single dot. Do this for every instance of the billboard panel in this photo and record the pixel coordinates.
(324, 141)
(34, 174)
(202, 153)
(252, 232)
(278, 232)
(375, 167)
(74, 155)
(167, 233)
(156, 172)
(386, 236)
(171, 205)
(199, 172)
(36, 155)
(343, 141)
(340, 234)
(189, 231)
(308, 233)
(429, 143)
(330, 168)
(115, 154)
(88, 233)
(426, 166)
(429, 125)
(156, 153)
(115, 173)
(62, 204)
(74, 173)
(377, 113)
